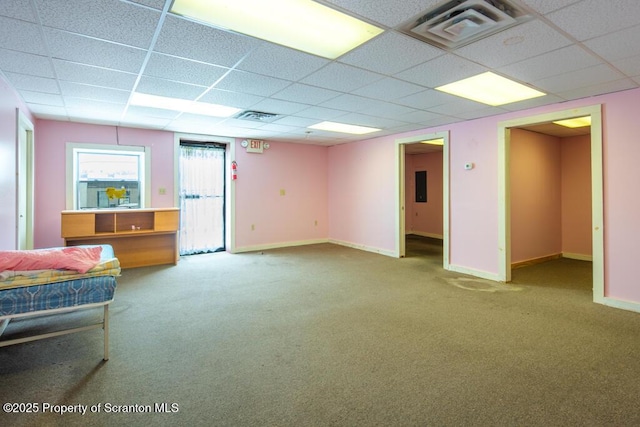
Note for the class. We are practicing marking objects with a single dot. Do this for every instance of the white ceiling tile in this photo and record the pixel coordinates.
(183, 70)
(546, 6)
(94, 52)
(95, 115)
(80, 73)
(92, 106)
(321, 113)
(442, 70)
(457, 106)
(532, 103)
(388, 89)
(599, 89)
(629, 66)
(300, 122)
(390, 13)
(566, 59)
(419, 116)
(618, 45)
(348, 102)
(389, 53)
(425, 99)
(42, 98)
(254, 84)
(278, 61)
(592, 18)
(501, 49)
(230, 99)
(21, 36)
(577, 79)
(388, 110)
(108, 20)
(310, 94)
(18, 9)
(160, 87)
(50, 111)
(79, 90)
(277, 106)
(365, 120)
(278, 127)
(25, 63)
(341, 77)
(187, 39)
(140, 121)
(160, 113)
(33, 83)
(155, 4)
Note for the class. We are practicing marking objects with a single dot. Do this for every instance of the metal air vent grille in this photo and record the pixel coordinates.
(460, 22)
(257, 116)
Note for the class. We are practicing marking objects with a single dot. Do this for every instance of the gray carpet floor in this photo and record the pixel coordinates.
(324, 335)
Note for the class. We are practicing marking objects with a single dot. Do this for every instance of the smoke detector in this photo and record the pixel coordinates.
(257, 116)
(456, 23)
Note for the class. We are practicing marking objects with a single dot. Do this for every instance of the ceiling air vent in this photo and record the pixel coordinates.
(257, 116)
(456, 23)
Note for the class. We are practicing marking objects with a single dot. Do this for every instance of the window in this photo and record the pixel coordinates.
(103, 177)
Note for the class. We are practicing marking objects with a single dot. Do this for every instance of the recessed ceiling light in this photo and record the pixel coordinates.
(578, 122)
(300, 24)
(183, 105)
(490, 89)
(344, 128)
(439, 141)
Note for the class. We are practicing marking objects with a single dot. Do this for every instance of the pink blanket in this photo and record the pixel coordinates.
(80, 259)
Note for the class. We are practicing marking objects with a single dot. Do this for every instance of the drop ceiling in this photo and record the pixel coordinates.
(81, 60)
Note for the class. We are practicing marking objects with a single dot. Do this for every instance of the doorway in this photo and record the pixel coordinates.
(25, 182)
(506, 129)
(202, 197)
(429, 233)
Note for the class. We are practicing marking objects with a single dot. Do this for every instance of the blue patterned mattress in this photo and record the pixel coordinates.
(68, 293)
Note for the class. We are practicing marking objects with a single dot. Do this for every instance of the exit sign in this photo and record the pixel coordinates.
(255, 146)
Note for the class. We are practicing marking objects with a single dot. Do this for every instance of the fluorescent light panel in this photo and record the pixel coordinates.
(300, 24)
(183, 105)
(343, 128)
(490, 89)
(578, 122)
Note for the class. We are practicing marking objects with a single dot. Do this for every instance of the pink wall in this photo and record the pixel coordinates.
(50, 180)
(424, 218)
(536, 208)
(300, 215)
(362, 194)
(576, 195)
(9, 102)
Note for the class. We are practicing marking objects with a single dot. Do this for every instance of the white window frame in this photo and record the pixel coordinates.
(73, 148)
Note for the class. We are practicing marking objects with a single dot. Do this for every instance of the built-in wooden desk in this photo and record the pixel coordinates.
(140, 237)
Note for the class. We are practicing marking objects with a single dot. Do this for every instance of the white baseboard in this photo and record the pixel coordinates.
(476, 273)
(364, 248)
(580, 257)
(278, 245)
(423, 234)
(615, 303)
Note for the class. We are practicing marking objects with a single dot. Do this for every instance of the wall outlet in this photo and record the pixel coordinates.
(162, 191)
(282, 192)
